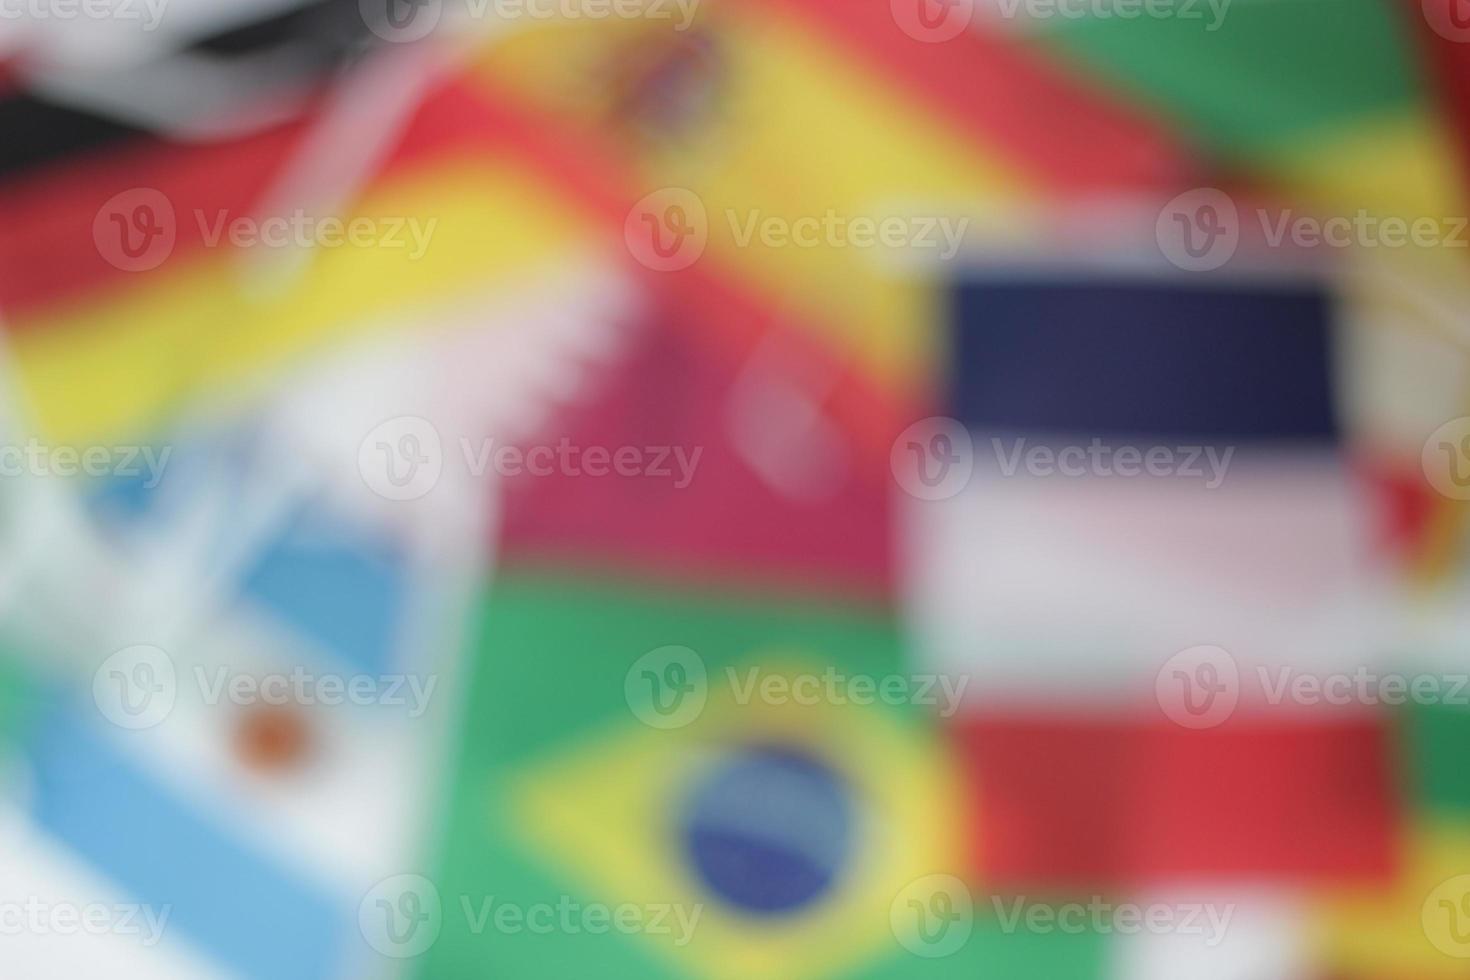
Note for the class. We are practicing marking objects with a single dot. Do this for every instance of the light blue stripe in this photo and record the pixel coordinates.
(229, 899)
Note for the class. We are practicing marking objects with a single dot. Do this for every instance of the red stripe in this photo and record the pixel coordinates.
(1071, 802)
(47, 251)
(1048, 121)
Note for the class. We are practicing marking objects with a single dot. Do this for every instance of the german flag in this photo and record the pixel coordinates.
(101, 351)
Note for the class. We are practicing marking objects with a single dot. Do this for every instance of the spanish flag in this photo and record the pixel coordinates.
(790, 112)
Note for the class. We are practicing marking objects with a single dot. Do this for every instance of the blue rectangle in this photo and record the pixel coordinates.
(1049, 354)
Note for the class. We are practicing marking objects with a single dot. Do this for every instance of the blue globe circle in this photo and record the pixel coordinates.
(769, 829)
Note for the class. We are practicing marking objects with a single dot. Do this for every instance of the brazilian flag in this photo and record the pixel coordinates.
(643, 793)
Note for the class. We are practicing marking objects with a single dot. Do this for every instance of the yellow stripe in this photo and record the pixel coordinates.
(1399, 164)
(121, 363)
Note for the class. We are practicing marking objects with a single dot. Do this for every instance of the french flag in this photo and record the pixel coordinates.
(1140, 521)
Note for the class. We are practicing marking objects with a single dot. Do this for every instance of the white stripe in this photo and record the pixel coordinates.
(1265, 938)
(1062, 588)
